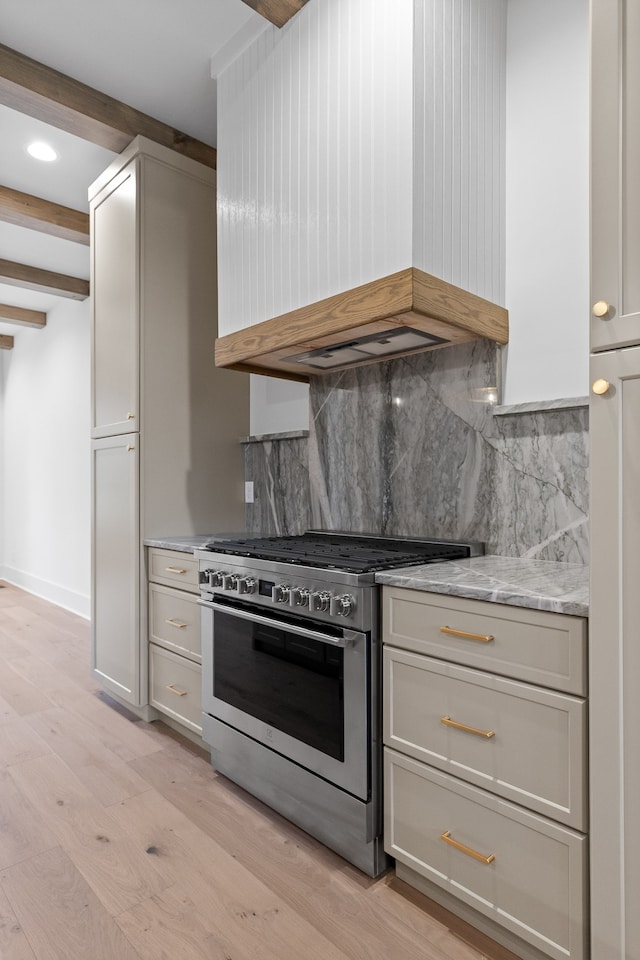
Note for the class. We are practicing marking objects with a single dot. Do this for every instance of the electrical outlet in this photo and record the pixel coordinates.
(248, 491)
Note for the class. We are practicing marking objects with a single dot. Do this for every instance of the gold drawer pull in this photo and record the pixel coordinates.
(131, 416)
(174, 570)
(178, 693)
(175, 623)
(446, 836)
(483, 638)
(463, 726)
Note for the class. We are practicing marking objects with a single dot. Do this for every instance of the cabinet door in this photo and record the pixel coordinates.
(116, 566)
(114, 297)
(615, 657)
(615, 172)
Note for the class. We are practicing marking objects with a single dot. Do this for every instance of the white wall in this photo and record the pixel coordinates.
(278, 405)
(46, 458)
(547, 200)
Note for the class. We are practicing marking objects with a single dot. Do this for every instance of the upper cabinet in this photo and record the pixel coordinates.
(615, 159)
(360, 186)
(114, 395)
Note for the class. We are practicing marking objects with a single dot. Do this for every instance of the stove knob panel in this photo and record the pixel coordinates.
(229, 581)
(343, 606)
(280, 593)
(246, 585)
(320, 600)
(299, 597)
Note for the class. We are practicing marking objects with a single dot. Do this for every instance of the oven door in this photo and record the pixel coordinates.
(299, 688)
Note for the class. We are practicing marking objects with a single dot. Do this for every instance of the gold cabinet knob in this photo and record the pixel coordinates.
(600, 309)
(600, 387)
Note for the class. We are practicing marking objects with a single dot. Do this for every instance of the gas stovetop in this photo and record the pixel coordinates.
(351, 553)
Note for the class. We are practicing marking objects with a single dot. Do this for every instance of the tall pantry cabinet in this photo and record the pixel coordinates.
(615, 481)
(165, 421)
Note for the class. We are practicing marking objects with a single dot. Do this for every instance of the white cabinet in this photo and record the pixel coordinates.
(615, 479)
(174, 637)
(114, 288)
(155, 388)
(485, 771)
(116, 550)
(615, 656)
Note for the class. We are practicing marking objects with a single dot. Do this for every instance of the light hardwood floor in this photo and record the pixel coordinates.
(119, 842)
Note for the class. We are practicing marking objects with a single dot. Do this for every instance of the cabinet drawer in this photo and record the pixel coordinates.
(174, 621)
(175, 687)
(536, 884)
(523, 742)
(174, 569)
(548, 649)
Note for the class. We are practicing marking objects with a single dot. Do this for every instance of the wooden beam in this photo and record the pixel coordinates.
(26, 318)
(48, 95)
(277, 12)
(25, 210)
(44, 281)
(6, 343)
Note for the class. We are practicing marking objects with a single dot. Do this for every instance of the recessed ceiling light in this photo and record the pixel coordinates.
(42, 151)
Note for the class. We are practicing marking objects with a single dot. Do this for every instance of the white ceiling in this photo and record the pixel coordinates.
(154, 55)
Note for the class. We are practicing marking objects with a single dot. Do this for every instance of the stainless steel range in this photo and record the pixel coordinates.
(291, 675)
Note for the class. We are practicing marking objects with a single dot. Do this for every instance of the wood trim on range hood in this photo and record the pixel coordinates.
(409, 298)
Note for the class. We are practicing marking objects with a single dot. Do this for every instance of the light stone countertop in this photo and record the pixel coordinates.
(538, 584)
(191, 544)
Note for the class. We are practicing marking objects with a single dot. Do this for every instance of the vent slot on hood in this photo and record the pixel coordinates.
(376, 345)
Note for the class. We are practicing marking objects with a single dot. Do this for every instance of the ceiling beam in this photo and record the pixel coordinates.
(44, 281)
(6, 343)
(26, 318)
(277, 12)
(41, 92)
(25, 210)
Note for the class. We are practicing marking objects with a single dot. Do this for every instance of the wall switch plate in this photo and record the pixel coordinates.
(248, 491)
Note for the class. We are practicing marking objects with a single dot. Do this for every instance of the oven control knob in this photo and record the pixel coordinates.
(216, 577)
(280, 593)
(321, 601)
(229, 581)
(246, 585)
(343, 606)
(299, 597)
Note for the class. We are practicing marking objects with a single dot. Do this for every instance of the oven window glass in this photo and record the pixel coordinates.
(290, 682)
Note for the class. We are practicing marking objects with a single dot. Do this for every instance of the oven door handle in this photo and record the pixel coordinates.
(348, 637)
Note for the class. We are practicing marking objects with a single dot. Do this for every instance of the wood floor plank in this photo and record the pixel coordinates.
(127, 738)
(169, 927)
(317, 883)
(10, 646)
(21, 695)
(118, 870)
(13, 942)
(21, 832)
(108, 777)
(236, 907)
(19, 742)
(59, 913)
(6, 710)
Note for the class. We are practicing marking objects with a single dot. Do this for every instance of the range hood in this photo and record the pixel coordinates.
(404, 313)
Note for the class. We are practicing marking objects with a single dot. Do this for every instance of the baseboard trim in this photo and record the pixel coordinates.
(77, 603)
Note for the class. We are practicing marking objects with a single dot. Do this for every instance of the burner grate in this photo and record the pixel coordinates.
(347, 553)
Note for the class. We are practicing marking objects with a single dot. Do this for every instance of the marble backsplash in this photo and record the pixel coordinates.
(411, 447)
